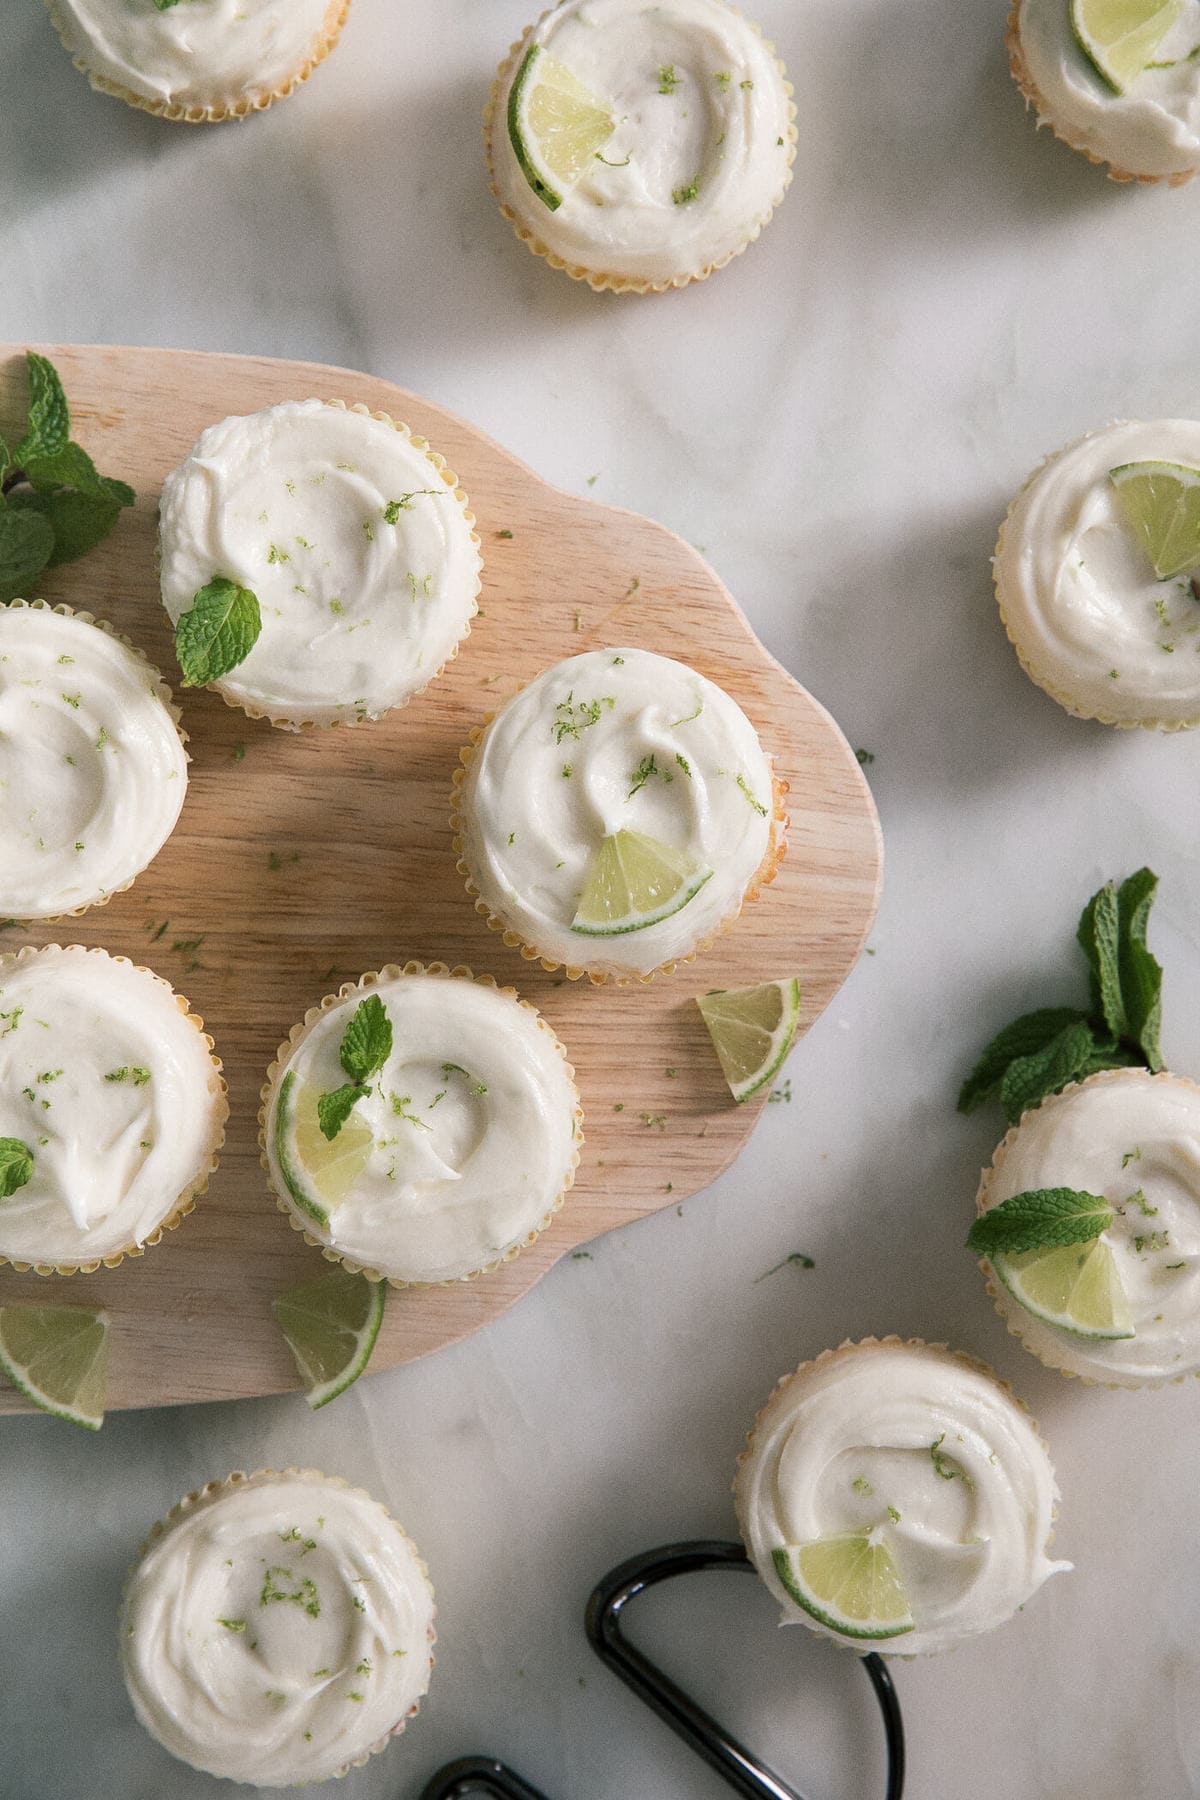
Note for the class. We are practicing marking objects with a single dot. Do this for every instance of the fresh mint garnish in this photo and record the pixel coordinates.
(218, 632)
(16, 1166)
(365, 1047)
(1040, 1219)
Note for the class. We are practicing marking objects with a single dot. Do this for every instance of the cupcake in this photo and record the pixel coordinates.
(422, 1126)
(896, 1495)
(1123, 93)
(1095, 575)
(348, 541)
(91, 760)
(277, 1628)
(640, 144)
(219, 59)
(1117, 1298)
(112, 1109)
(615, 814)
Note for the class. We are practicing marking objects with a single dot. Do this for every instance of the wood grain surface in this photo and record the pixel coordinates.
(302, 860)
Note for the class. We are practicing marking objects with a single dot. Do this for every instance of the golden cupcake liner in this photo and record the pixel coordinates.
(1016, 1320)
(185, 1202)
(215, 1490)
(237, 107)
(763, 876)
(602, 281)
(1045, 115)
(297, 1035)
(161, 691)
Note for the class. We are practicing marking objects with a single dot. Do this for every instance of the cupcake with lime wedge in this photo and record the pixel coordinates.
(615, 815)
(896, 1496)
(1118, 80)
(1097, 574)
(638, 145)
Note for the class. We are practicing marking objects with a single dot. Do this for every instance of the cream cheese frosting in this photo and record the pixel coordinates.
(613, 740)
(474, 1121)
(1134, 1139)
(924, 1447)
(1153, 128)
(703, 142)
(1080, 599)
(277, 1629)
(198, 53)
(93, 770)
(110, 1084)
(355, 541)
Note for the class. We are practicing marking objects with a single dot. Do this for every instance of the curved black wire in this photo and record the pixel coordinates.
(472, 1775)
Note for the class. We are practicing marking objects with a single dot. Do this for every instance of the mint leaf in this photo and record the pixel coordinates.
(79, 521)
(1098, 937)
(5, 459)
(26, 546)
(49, 428)
(334, 1109)
(16, 1165)
(72, 467)
(367, 1042)
(1025, 1036)
(1029, 1079)
(1040, 1219)
(218, 632)
(1141, 973)
(165, 5)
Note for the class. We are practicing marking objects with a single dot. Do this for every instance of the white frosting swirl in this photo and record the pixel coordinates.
(474, 1123)
(360, 553)
(566, 762)
(1079, 596)
(92, 767)
(111, 1086)
(1134, 1139)
(199, 53)
(277, 1629)
(1153, 128)
(849, 1441)
(721, 133)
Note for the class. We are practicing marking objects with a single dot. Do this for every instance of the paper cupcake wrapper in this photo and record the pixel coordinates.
(214, 1490)
(279, 1068)
(237, 105)
(763, 876)
(184, 1202)
(162, 691)
(600, 280)
(1045, 114)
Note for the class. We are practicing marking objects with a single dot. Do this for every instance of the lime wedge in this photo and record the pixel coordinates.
(1160, 502)
(635, 881)
(849, 1582)
(57, 1356)
(331, 1325)
(752, 1030)
(555, 125)
(1119, 37)
(1075, 1286)
(319, 1172)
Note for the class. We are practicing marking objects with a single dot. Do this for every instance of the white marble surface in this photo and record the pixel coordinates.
(839, 419)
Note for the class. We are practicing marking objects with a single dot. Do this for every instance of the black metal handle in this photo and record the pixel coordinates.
(473, 1775)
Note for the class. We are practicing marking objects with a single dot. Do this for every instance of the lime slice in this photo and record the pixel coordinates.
(556, 126)
(58, 1357)
(1119, 37)
(1074, 1286)
(848, 1582)
(1160, 503)
(331, 1325)
(635, 881)
(318, 1172)
(752, 1030)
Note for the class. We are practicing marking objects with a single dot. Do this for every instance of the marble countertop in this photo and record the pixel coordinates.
(839, 420)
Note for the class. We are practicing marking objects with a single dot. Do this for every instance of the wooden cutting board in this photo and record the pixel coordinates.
(302, 860)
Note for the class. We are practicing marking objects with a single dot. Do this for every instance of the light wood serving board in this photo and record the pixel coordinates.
(311, 858)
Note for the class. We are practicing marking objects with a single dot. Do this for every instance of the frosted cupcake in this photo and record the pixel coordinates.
(92, 762)
(421, 1126)
(1102, 1183)
(333, 551)
(615, 814)
(277, 1629)
(198, 60)
(896, 1496)
(112, 1109)
(1096, 570)
(640, 145)
(1122, 88)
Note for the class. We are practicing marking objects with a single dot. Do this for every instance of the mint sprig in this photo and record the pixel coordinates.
(218, 632)
(1040, 1219)
(16, 1166)
(365, 1047)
